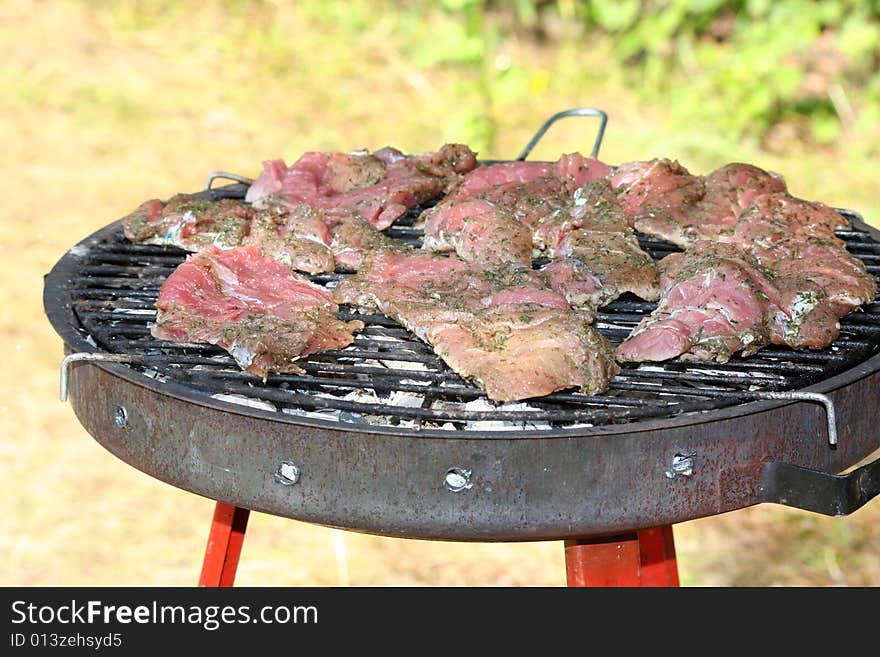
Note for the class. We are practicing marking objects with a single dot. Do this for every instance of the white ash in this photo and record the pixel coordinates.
(332, 416)
(451, 383)
(367, 396)
(501, 425)
(405, 399)
(400, 398)
(724, 374)
(385, 338)
(134, 300)
(610, 325)
(707, 372)
(415, 382)
(396, 364)
(245, 401)
(403, 365)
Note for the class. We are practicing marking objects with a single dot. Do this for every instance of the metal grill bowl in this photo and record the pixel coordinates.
(383, 438)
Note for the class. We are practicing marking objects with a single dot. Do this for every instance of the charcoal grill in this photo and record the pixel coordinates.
(382, 437)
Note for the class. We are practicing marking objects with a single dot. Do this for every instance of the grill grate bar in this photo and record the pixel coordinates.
(123, 271)
(664, 389)
(111, 294)
(149, 283)
(120, 245)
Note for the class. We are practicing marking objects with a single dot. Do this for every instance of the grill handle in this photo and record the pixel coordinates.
(577, 111)
(803, 395)
(814, 490)
(88, 356)
(225, 175)
(819, 492)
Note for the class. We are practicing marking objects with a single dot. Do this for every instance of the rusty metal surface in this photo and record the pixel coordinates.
(527, 487)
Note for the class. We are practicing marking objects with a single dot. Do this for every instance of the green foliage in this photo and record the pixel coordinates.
(763, 72)
(749, 65)
(742, 67)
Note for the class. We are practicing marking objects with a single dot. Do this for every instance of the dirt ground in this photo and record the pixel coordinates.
(101, 109)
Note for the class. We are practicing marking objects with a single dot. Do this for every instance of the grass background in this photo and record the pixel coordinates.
(103, 105)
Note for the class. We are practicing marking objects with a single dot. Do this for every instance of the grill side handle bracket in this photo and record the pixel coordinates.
(577, 111)
(819, 492)
(81, 356)
(800, 395)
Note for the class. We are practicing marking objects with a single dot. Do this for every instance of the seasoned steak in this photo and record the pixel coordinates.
(593, 241)
(714, 304)
(487, 176)
(729, 191)
(492, 215)
(353, 239)
(817, 280)
(774, 218)
(790, 277)
(479, 231)
(662, 199)
(571, 216)
(189, 222)
(657, 195)
(258, 310)
(297, 237)
(501, 326)
(379, 186)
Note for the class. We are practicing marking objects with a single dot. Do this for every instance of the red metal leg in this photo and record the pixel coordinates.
(658, 564)
(224, 545)
(642, 558)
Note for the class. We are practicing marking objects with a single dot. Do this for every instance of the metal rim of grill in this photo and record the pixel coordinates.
(107, 288)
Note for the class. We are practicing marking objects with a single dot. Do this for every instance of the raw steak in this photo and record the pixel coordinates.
(714, 304)
(593, 241)
(501, 326)
(379, 186)
(657, 195)
(189, 222)
(778, 275)
(262, 313)
(663, 200)
(492, 214)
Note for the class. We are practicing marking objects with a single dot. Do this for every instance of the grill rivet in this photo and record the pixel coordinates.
(287, 473)
(121, 417)
(458, 479)
(682, 466)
